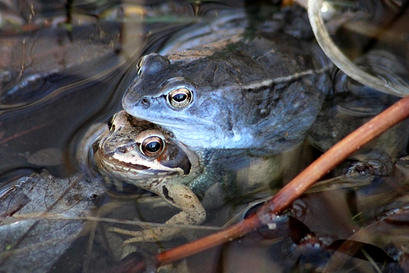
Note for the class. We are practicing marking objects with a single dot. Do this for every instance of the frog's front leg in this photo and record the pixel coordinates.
(180, 196)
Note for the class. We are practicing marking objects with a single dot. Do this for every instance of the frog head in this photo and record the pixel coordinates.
(187, 97)
(140, 153)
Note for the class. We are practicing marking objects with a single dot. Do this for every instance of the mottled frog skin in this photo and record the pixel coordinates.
(147, 156)
(261, 93)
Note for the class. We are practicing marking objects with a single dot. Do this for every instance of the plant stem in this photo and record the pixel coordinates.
(340, 151)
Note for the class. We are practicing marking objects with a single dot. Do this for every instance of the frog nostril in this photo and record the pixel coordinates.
(122, 150)
(145, 102)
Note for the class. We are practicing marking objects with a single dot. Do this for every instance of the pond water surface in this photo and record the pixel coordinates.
(65, 65)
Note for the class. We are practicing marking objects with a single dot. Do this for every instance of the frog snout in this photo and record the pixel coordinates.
(130, 102)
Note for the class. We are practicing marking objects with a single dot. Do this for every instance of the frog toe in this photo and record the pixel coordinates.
(148, 235)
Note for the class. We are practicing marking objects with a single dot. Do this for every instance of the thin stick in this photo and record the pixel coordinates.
(321, 166)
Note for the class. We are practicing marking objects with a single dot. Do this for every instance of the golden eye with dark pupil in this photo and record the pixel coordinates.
(180, 98)
(152, 146)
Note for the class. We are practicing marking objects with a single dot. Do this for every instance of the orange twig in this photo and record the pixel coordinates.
(327, 161)
(340, 151)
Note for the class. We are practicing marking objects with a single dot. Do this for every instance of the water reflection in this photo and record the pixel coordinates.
(374, 24)
(61, 66)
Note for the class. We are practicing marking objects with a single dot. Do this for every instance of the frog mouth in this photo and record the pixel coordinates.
(125, 169)
(109, 163)
(178, 123)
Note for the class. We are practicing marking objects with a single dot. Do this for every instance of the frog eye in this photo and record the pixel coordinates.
(152, 146)
(179, 98)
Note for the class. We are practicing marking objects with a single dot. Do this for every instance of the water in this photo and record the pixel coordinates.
(63, 68)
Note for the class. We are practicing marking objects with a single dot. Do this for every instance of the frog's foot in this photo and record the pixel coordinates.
(148, 235)
(180, 196)
(164, 232)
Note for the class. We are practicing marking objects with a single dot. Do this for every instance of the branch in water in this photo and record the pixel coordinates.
(294, 189)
